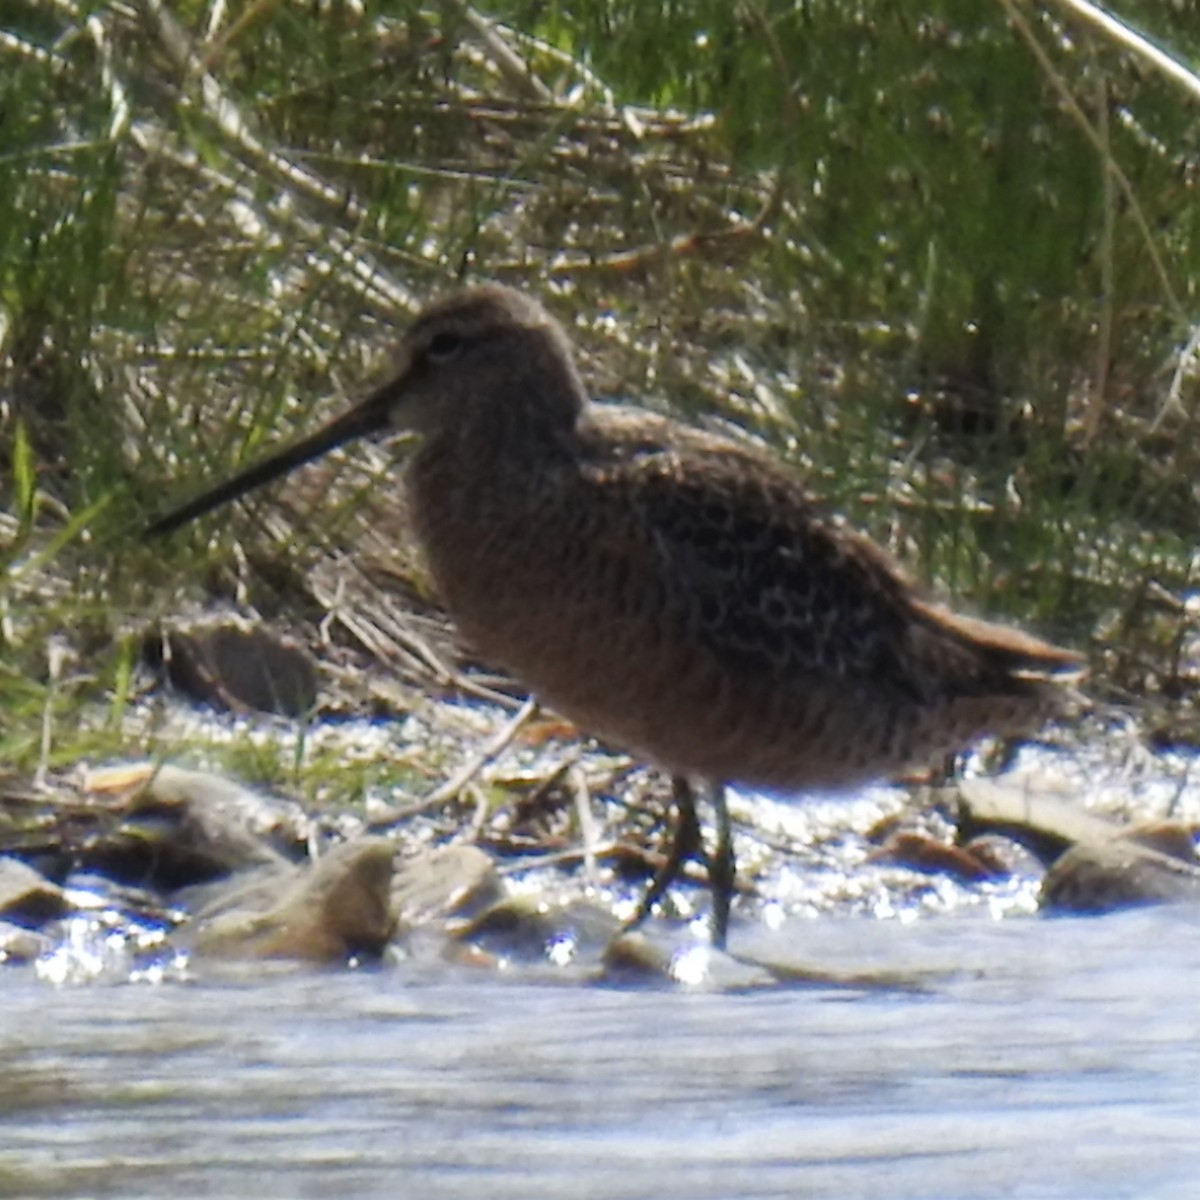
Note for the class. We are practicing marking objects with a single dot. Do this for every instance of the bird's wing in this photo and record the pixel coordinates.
(767, 582)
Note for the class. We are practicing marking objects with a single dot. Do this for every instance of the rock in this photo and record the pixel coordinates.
(1095, 865)
(1046, 823)
(1118, 872)
(237, 666)
(920, 852)
(26, 897)
(458, 880)
(184, 827)
(329, 911)
(1168, 837)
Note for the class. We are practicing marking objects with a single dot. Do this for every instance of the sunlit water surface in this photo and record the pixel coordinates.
(1036, 1058)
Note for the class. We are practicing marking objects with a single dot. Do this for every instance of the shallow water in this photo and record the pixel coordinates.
(1037, 1058)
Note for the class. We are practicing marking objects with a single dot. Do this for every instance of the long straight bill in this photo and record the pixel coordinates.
(371, 416)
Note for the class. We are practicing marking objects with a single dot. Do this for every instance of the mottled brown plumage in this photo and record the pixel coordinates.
(671, 590)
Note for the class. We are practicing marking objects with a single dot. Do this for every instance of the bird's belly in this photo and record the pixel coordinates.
(642, 687)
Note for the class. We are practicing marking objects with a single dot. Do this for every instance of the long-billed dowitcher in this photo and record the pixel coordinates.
(671, 590)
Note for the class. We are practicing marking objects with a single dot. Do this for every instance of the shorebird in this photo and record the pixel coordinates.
(675, 592)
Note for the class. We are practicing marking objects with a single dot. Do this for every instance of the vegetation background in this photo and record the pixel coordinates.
(943, 257)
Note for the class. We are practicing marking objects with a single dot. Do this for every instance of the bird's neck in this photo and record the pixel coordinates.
(475, 498)
(501, 455)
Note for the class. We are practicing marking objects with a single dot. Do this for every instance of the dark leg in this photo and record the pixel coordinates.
(688, 843)
(684, 845)
(721, 868)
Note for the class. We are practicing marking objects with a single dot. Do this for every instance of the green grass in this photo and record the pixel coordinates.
(954, 314)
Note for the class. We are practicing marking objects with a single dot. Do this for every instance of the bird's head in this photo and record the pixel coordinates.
(488, 360)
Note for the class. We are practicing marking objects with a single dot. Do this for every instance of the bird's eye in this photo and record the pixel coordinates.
(444, 346)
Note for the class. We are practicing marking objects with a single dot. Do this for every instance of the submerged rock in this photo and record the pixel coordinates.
(536, 932)
(21, 945)
(654, 954)
(458, 880)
